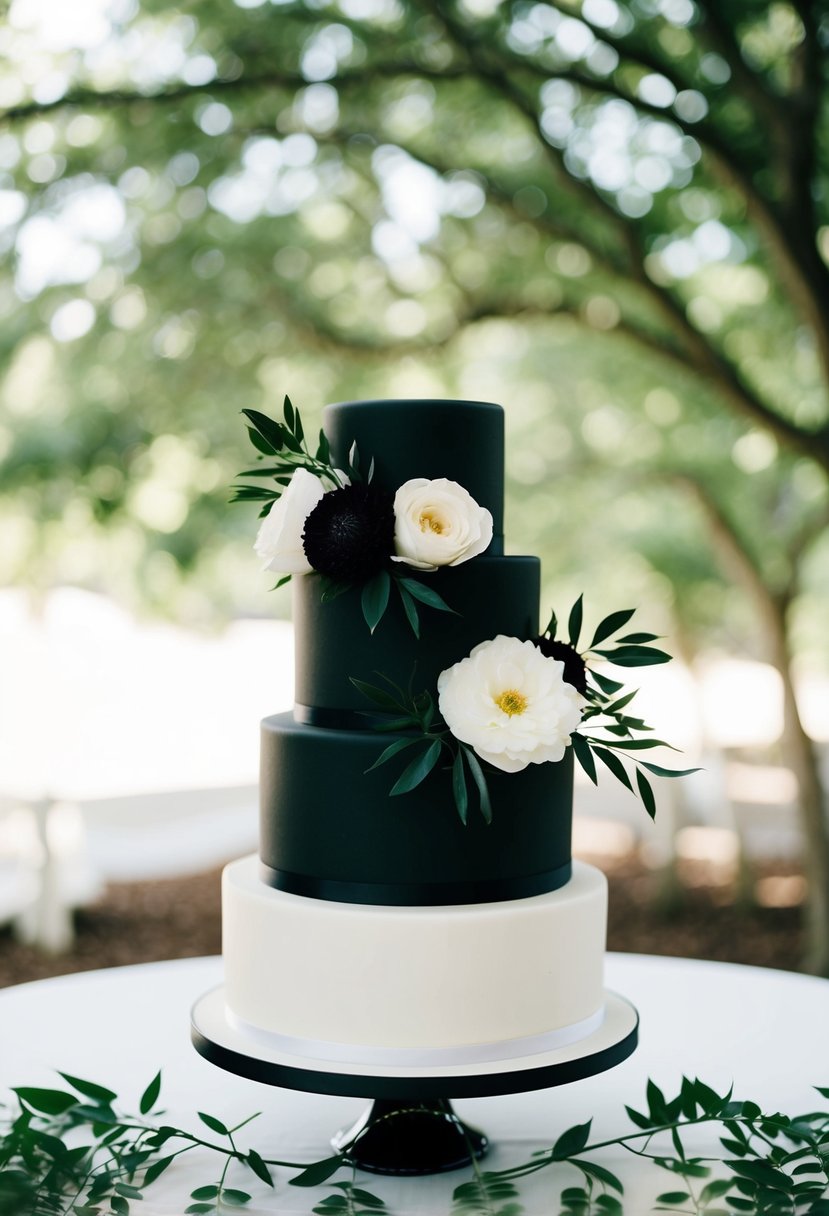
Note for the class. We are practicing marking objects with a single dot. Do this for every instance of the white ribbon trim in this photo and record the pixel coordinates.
(420, 1057)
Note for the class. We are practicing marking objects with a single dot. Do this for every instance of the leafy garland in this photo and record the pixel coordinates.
(70, 1152)
(284, 446)
(417, 715)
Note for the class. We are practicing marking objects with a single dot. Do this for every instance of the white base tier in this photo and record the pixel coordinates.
(348, 981)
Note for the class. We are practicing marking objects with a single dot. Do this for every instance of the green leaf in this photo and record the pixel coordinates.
(635, 656)
(673, 1197)
(213, 1123)
(659, 771)
(380, 697)
(479, 778)
(156, 1169)
(610, 624)
(199, 1207)
(268, 430)
(286, 578)
(572, 1141)
(409, 607)
(288, 412)
(391, 751)
(96, 1092)
(584, 755)
(552, 626)
(600, 1173)
(260, 1169)
(646, 793)
(418, 770)
(47, 1101)
(459, 790)
(129, 1192)
(119, 1205)
(638, 638)
(323, 449)
(150, 1094)
(607, 685)
(353, 463)
(426, 595)
(715, 1189)
(614, 764)
(205, 1192)
(319, 1172)
(261, 444)
(574, 623)
(375, 599)
(235, 1198)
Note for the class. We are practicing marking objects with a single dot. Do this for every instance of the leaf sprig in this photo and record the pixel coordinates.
(415, 713)
(608, 703)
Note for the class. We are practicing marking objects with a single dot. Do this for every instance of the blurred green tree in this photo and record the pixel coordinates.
(205, 205)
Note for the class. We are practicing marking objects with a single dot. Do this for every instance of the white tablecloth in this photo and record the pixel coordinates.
(767, 1032)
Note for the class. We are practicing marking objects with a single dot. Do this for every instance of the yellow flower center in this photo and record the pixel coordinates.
(428, 523)
(511, 702)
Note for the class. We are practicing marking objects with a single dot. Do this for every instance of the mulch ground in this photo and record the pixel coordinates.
(180, 918)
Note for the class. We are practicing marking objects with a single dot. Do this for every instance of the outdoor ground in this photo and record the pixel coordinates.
(176, 918)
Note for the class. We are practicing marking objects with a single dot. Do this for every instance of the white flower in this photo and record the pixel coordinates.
(510, 703)
(279, 540)
(438, 523)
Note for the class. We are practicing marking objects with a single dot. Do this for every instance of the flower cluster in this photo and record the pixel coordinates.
(511, 703)
(337, 523)
(351, 532)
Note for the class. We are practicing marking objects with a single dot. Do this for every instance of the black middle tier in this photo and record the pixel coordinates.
(329, 829)
(489, 595)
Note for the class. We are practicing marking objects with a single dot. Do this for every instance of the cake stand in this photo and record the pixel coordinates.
(411, 1127)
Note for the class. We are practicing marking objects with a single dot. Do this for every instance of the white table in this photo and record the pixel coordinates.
(763, 1030)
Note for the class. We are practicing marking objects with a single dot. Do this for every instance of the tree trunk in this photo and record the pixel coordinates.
(800, 755)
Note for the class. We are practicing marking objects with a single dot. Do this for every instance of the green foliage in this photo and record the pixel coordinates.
(605, 706)
(773, 1163)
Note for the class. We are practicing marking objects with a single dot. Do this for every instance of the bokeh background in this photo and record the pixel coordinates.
(610, 217)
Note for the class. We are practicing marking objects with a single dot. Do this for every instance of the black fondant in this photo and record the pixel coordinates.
(326, 820)
(460, 440)
(489, 595)
(418, 894)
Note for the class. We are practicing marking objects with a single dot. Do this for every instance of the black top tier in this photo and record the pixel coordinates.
(460, 440)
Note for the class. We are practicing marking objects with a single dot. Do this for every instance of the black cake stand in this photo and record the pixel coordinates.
(411, 1127)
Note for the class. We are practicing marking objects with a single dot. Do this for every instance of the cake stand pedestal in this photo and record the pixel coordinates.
(411, 1127)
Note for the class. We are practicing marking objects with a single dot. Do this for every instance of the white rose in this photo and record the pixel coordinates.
(510, 703)
(279, 541)
(438, 523)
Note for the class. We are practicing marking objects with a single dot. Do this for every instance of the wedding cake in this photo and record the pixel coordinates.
(431, 914)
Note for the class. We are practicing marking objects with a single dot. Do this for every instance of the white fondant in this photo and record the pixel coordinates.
(412, 977)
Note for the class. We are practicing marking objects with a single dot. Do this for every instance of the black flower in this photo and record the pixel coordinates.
(349, 535)
(575, 670)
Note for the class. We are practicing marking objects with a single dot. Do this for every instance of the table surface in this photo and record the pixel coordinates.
(763, 1031)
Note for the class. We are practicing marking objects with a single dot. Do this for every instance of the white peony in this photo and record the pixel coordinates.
(510, 703)
(279, 541)
(438, 523)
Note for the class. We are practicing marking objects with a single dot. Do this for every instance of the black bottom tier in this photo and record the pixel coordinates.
(329, 829)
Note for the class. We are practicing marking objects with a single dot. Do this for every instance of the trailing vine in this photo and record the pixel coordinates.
(73, 1152)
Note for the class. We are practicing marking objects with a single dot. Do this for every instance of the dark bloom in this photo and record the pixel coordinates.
(349, 535)
(575, 671)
